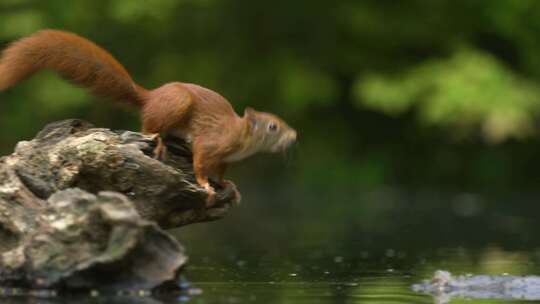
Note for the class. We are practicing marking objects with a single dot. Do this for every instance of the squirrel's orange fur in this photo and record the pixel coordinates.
(218, 135)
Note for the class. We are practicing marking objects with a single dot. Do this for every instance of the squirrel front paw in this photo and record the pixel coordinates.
(211, 198)
(228, 193)
(230, 186)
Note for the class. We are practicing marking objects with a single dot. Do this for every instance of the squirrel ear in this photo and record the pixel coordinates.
(249, 115)
(249, 111)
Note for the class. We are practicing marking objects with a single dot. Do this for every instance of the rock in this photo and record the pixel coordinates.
(71, 153)
(85, 207)
(444, 286)
(82, 240)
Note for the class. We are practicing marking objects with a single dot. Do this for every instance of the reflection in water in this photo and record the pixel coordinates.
(369, 250)
(81, 300)
(444, 286)
(379, 278)
(319, 278)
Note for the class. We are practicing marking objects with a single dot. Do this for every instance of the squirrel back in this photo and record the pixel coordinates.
(218, 135)
(75, 58)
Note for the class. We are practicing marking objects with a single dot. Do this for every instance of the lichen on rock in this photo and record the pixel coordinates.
(85, 207)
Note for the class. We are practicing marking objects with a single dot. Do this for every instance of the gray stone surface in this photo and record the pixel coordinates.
(85, 207)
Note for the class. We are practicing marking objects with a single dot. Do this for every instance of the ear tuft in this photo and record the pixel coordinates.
(249, 111)
(251, 117)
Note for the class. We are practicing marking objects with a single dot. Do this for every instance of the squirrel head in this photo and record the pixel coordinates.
(268, 132)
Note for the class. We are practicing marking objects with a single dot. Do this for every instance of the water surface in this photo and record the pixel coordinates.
(365, 278)
(370, 247)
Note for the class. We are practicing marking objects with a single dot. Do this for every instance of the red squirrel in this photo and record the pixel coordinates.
(189, 111)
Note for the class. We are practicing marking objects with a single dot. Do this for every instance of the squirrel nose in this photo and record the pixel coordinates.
(292, 137)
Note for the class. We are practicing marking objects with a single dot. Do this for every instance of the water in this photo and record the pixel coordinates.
(365, 278)
(329, 250)
(309, 275)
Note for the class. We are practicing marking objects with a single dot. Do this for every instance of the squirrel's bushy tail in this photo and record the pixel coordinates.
(74, 58)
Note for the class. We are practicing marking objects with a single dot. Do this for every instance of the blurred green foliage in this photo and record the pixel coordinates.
(384, 93)
(470, 90)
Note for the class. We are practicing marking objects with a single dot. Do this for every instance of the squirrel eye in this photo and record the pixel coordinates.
(272, 127)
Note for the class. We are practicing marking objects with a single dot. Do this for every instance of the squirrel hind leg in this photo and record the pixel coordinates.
(166, 108)
(160, 152)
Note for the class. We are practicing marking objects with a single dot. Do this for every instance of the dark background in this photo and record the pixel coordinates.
(418, 120)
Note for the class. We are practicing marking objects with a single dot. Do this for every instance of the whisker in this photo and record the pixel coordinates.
(289, 154)
(292, 155)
